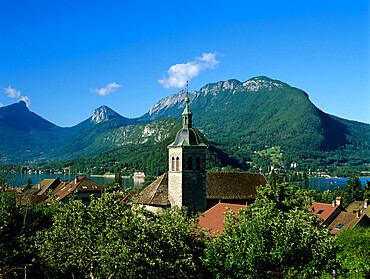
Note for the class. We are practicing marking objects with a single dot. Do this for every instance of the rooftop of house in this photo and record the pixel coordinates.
(346, 220)
(78, 184)
(323, 210)
(46, 184)
(213, 218)
(359, 205)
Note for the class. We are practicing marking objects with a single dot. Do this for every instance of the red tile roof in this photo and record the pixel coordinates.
(213, 218)
(324, 210)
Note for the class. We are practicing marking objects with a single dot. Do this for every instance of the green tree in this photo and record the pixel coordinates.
(263, 238)
(367, 190)
(353, 188)
(111, 240)
(353, 249)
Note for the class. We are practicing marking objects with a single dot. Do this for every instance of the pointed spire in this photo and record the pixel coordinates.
(186, 115)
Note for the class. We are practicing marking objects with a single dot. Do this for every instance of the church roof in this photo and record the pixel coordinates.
(233, 185)
(187, 137)
(156, 193)
(220, 185)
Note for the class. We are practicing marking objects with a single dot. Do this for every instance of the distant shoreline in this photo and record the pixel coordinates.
(106, 175)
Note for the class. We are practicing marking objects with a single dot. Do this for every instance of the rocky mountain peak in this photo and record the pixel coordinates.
(102, 114)
(17, 108)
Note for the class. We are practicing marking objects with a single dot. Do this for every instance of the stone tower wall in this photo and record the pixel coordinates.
(187, 187)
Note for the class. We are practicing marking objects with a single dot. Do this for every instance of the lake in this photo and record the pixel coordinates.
(320, 184)
(323, 184)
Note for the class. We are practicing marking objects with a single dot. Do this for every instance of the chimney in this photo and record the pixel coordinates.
(40, 187)
(76, 180)
(358, 213)
(366, 203)
(246, 203)
(219, 201)
(338, 201)
(333, 203)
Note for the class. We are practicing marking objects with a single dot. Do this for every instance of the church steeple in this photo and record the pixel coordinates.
(187, 181)
(186, 115)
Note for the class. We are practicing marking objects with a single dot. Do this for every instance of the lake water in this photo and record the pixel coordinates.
(323, 184)
(320, 184)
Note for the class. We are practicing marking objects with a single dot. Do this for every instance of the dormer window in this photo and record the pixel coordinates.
(320, 212)
(339, 226)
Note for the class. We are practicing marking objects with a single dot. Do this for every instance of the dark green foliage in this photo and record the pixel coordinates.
(353, 189)
(112, 240)
(265, 238)
(18, 227)
(353, 249)
(367, 190)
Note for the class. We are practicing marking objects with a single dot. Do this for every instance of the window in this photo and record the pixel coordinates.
(197, 163)
(173, 164)
(190, 163)
(177, 163)
(84, 187)
(95, 187)
(320, 211)
(339, 226)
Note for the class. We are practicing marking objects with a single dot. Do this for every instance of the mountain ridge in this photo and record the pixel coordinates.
(239, 117)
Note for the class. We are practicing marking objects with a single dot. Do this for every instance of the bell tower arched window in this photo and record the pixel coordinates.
(173, 164)
(197, 163)
(190, 163)
(177, 163)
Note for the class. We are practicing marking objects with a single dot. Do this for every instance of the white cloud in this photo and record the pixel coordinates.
(178, 74)
(16, 94)
(1, 105)
(109, 88)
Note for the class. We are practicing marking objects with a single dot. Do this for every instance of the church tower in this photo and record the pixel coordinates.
(187, 167)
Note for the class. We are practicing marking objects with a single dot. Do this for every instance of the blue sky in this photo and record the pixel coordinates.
(67, 58)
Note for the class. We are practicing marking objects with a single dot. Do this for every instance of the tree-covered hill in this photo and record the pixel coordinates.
(244, 117)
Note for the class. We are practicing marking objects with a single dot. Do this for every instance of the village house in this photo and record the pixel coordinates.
(81, 186)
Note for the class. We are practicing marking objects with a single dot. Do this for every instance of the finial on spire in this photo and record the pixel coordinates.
(186, 115)
(187, 92)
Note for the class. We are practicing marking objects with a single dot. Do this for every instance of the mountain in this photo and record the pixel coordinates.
(25, 136)
(239, 119)
(243, 117)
